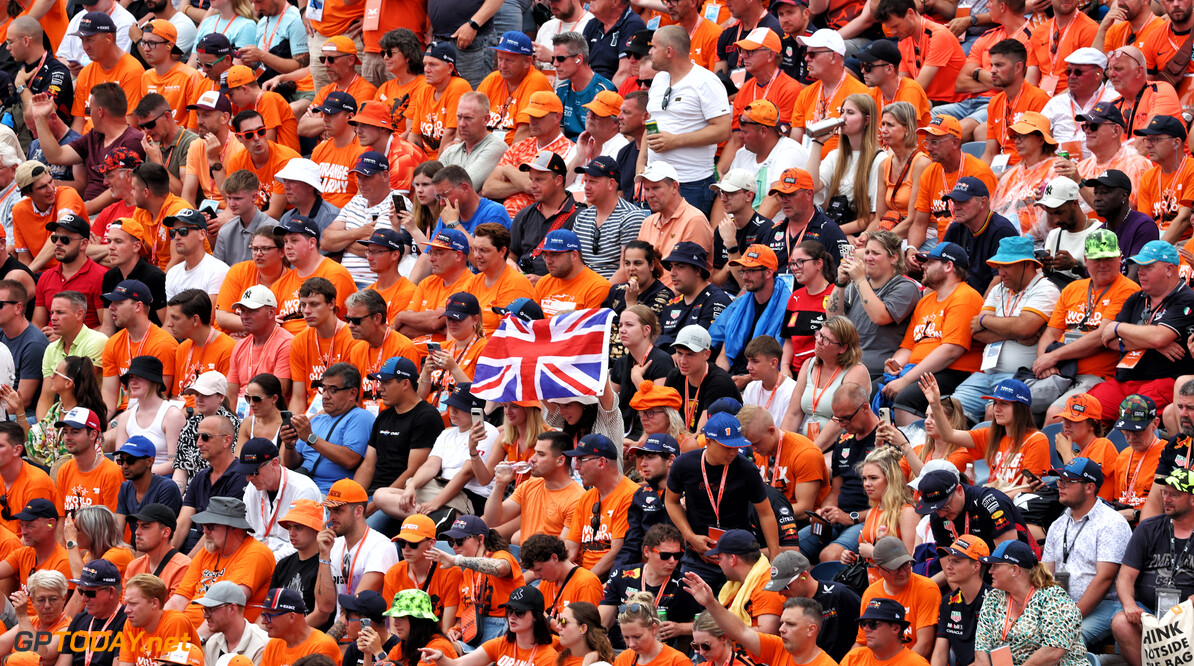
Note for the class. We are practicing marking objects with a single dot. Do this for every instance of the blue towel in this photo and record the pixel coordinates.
(881, 400)
(741, 312)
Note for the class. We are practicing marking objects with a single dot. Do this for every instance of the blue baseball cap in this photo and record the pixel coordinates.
(1154, 251)
(139, 446)
(371, 163)
(561, 240)
(524, 308)
(595, 444)
(337, 102)
(95, 23)
(735, 542)
(255, 453)
(1012, 552)
(98, 573)
(1082, 469)
(602, 166)
(444, 51)
(966, 189)
(1011, 390)
(450, 239)
(947, 252)
(460, 305)
(725, 429)
(727, 404)
(398, 367)
(1012, 250)
(391, 239)
(515, 42)
(130, 289)
(298, 224)
(467, 526)
(660, 442)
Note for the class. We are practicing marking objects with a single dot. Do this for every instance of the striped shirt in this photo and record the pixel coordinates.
(621, 227)
(356, 214)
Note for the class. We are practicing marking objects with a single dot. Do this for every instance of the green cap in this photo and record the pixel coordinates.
(1181, 480)
(412, 603)
(1102, 244)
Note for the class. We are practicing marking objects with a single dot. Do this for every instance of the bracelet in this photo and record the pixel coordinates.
(843, 285)
(323, 561)
(1115, 331)
(980, 322)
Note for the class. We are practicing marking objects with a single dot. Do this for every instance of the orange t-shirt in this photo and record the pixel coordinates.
(397, 296)
(668, 656)
(1120, 33)
(369, 360)
(430, 116)
(335, 170)
(29, 232)
(251, 565)
(812, 105)
(171, 575)
(935, 323)
(119, 351)
(960, 458)
(506, 106)
(240, 277)
(442, 382)
(507, 653)
(1000, 116)
(286, 290)
(614, 521)
(704, 43)
(398, 96)
(899, 195)
(127, 72)
(1135, 472)
(198, 165)
(1081, 309)
(432, 294)
(438, 642)
(782, 90)
(980, 52)
(936, 47)
(277, 654)
(279, 155)
(444, 586)
(311, 355)
(24, 561)
(404, 158)
(409, 14)
(358, 88)
(935, 184)
(77, 489)
(1103, 452)
(546, 511)
(1034, 455)
(761, 602)
(338, 16)
(159, 254)
(1159, 48)
(921, 599)
(143, 648)
(9, 543)
(277, 115)
(176, 86)
(31, 483)
(586, 290)
(771, 651)
(1157, 99)
(584, 585)
(862, 656)
(511, 284)
(189, 363)
(796, 460)
(1161, 196)
(490, 591)
(909, 91)
(1049, 47)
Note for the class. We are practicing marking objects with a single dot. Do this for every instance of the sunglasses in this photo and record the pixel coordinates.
(563, 622)
(869, 624)
(61, 239)
(152, 123)
(90, 594)
(561, 59)
(356, 321)
(208, 65)
(389, 53)
(207, 436)
(126, 460)
(517, 613)
(666, 555)
(258, 133)
(702, 647)
(403, 544)
(327, 60)
(3, 303)
(255, 399)
(456, 543)
(181, 233)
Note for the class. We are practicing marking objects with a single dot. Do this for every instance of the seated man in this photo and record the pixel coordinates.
(658, 572)
(763, 355)
(599, 522)
(788, 461)
(739, 556)
(958, 617)
(922, 598)
(224, 608)
(884, 625)
(417, 571)
(290, 637)
(150, 622)
(696, 378)
(155, 525)
(333, 442)
(559, 578)
(549, 496)
(839, 604)
(271, 491)
(569, 285)
(988, 512)
(39, 520)
(1137, 463)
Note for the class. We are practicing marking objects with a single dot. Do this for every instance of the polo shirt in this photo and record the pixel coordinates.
(487, 211)
(793, 59)
(686, 223)
(479, 161)
(88, 281)
(575, 112)
(232, 243)
(605, 46)
(1176, 312)
(530, 228)
(1039, 297)
(200, 491)
(152, 276)
(89, 342)
(704, 308)
(981, 246)
(848, 454)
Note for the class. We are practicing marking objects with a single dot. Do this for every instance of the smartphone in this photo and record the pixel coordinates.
(478, 415)
(432, 346)
(210, 207)
(286, 414)
(850, 252)
(366, 623)
(399, 203)
(1030, 476)
(885, 415)
(816, 517)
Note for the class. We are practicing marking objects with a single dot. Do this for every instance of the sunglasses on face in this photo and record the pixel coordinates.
(255, 399)
(180, 233)
(870, 624)
(152, 123)
(208, 65)
(516, 613)
(258, 133)
(702, 647)
(456, 543)
(62, 239)
(356, 321)
(666, 555)
(404, 545)
(90, 594)
(327, 60)
(207, 436)
(561, 59)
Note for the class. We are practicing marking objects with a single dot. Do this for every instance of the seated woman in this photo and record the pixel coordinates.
(582, 639)
(836, 359)
(901, 169)
(846, 183)
(487, 567)
(1081, 436)
(264, 395)
(658, 408)
(149, 413)
(413, 621)
(1020, 186)
(642, 286)
(456, 362)
(45, 593)
(528, 639)
(873, 292)
(710, 641)
(639, 623)
(813, 269)
(74, 382)
(638, 329)
(891, 512)
(94, 530)
(934, 447)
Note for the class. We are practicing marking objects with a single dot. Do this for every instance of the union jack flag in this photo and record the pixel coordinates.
(565, 356)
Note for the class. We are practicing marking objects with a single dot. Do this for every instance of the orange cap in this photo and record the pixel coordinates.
(1080, 407)
(607, 103)
(135, 229)
(305, 512)
(967, 545)
(1031, 121)
(761, 111)
(235, 660)
(792, 180)
(416, 528)
(184, 654)
(239, 75)
(23, 659)
(339, 44)
(345, 491)
(760, 38)
(164, 29)
(373, 113)
(543, 103)
(943, 125)
(650, 395)
(758, 256)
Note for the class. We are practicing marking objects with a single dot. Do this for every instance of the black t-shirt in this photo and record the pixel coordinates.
(152, 276)
(1151, 552)
(646, 510)
(839, 618)
(54, 78)
(394, 435)
(793, 60)
(727, 48)
(530, 227)
(353, 656)
(980, 248)
(85, 622)
(847, 454)
(820, 228)
(628, 165)
(707, 306)
(200, 491)
(1178, 452)
(743, 487)
(297, 574)
(716, 384)
(1176, 312)
(661, 365)
(956, 622)
(678, 603)
(756, 228)
(785, 518)
(446, 17)
(986, 514)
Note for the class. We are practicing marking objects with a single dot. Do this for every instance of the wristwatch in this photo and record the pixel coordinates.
(732, 250)
(975, 73)
(474, 25)
(20, 89)
(312, 438)
(974, 19)
(71, 544)
(854, 517)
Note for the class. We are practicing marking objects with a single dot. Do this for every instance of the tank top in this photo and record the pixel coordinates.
(155, 433)
(824, 411)
(277, 438)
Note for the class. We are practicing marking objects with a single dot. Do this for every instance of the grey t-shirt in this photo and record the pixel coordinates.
(27, 349)
(232, 243)
(900, 296)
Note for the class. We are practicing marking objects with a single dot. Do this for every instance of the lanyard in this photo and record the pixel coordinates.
(799, 239)
(128, 341)
(254, 367)
(269, 526)
(1090, 302)
(88, 653)
(1177, 559)
(327, 358)
(823, 101)
(778, 382)
(1007, 312)
(773, 461)
(716, 504)
(560, 592)
(226, 28)
(1008, 622)
(817, 382)
(439, 378)
(690, 406)
(1066, 544)
(426, 584)
(191, 352)
(1055, 40)
(662, 589)
(1152, 314)
(1161, 188)
(965, 524)
(269, 41)
(1132, 479)
(352, 567)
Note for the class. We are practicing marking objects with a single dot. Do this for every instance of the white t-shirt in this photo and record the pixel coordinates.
(372, 554)
(775, 402)
(555, 27)
(786, 154)
(1039, 296)
(695, 100)
(1074, 243)
(451, 447)
(71, 47)
(846, 187)
(187, 32)
(260, 512)
(208, 275)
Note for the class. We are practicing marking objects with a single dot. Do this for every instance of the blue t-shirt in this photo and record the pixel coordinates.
(574, 103)
(273, 31)
(487, 211)
(352, 431)
(241, 31)
(27, 349)
(162, 490)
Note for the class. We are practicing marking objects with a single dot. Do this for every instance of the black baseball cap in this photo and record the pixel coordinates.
(1103, 112)
(157, 513)
(390, 239)
(188, 217)
(936, 489)
(72, 223)
(1110, 178)
(1163, 126)
(298, 224)
(38, 508)
(602, 166)
(639, 43)
(881, 50)
(255, 453)
(337, 102)
(213, 43)
(947, 252)
(525, 598)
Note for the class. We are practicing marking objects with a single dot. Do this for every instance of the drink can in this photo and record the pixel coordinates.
(662, 614)
(652, 126)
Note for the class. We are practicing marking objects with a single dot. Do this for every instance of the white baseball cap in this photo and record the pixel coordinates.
(257, 296)
(825, 39)
(693, 337)
(1059, 191)
(736, 180)
(301, 170)
(211, 382)
(1088, 56)
(657, 171)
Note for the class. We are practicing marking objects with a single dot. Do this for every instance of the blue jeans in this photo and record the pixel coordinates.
(971, 391)
(383, 523)
(811, 545)
(1096, 627)
(967, 108)
(491, 628)
(476, 62)
(699, 195)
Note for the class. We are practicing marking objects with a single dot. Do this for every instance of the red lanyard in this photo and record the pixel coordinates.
(774, 461)
(327, 358)
(690, 406)
(817, 380)
(187, 368)
(1008, 622)
(352, 567)
(716, 504)
(269, 41)
(269, 527)
(88, 653)
(778, 382)
(253, 367)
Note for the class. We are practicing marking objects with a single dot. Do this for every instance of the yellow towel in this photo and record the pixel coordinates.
(734, 595)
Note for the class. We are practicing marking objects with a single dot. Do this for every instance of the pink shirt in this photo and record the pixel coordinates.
(248, 361)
